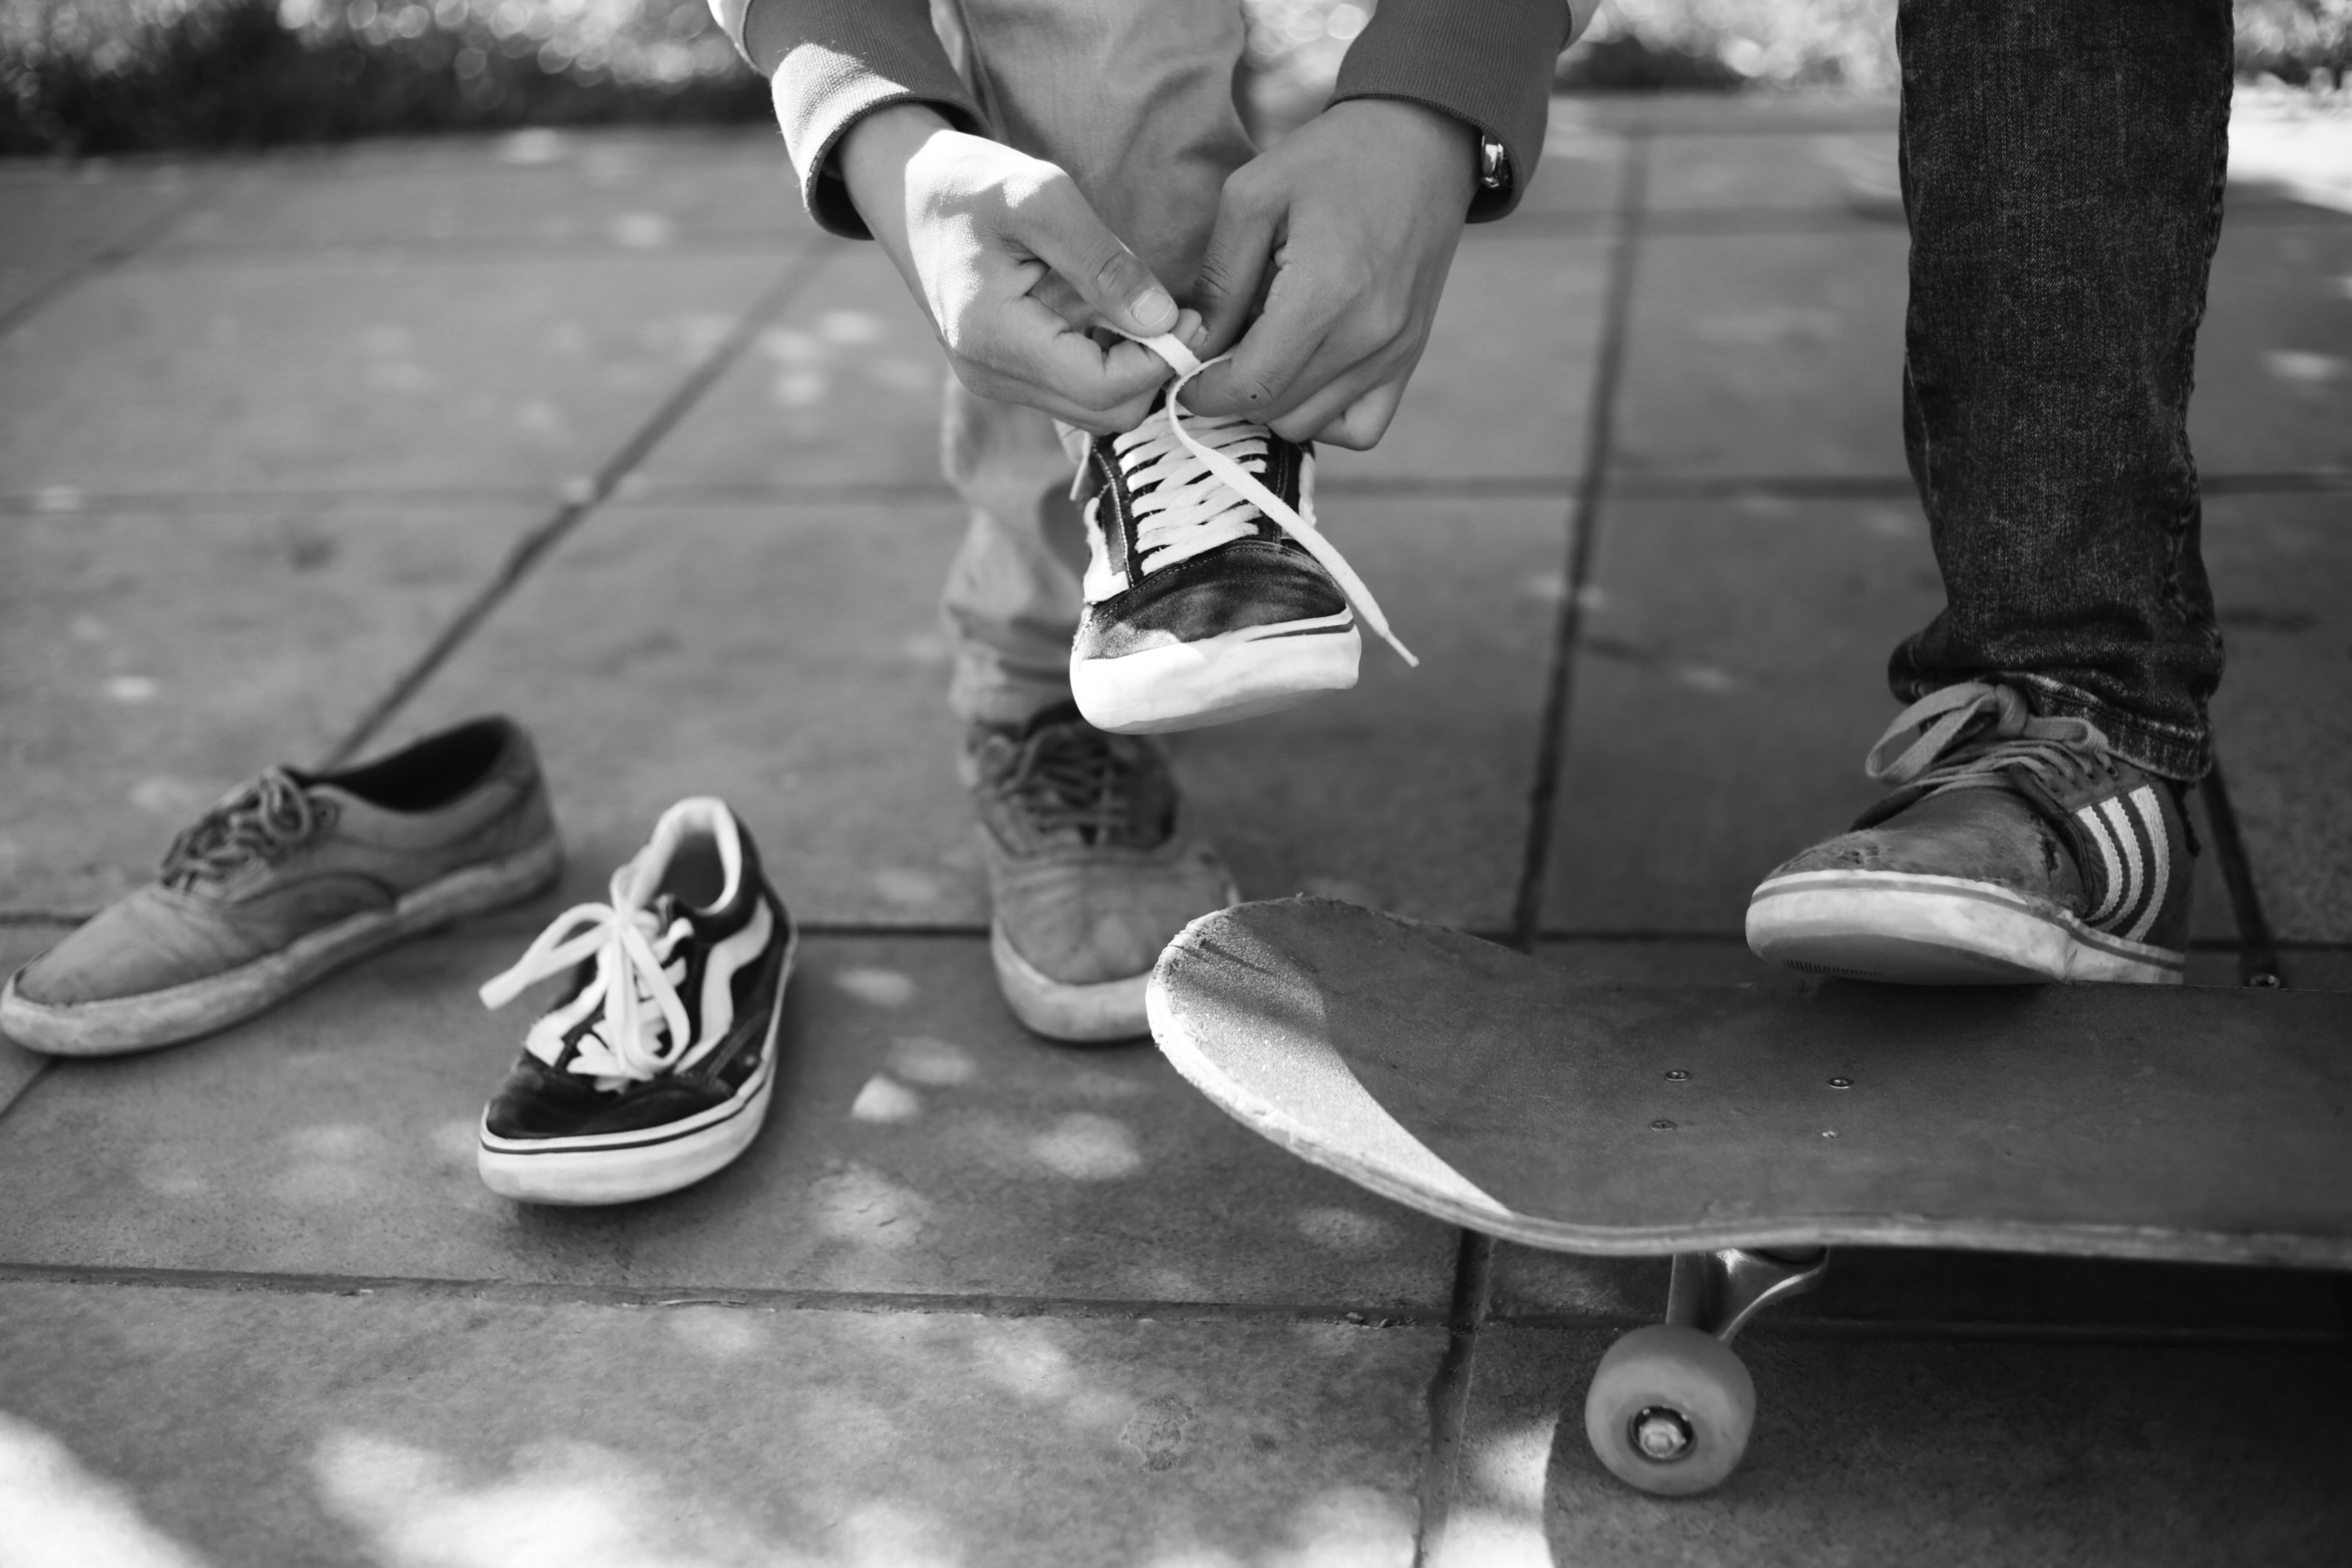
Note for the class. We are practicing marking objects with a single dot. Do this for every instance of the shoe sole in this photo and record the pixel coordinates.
(200, 1007)
(628, 1167)
(1220, 679)
(1938, 931)
(1093, 1013)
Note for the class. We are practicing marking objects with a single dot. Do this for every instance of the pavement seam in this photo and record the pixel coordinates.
(2258, 948)
(752, 1298)
(1456, 1379)
(533, 546)
(107, 257)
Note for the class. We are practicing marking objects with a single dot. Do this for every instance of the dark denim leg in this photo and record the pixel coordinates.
(2063, 163)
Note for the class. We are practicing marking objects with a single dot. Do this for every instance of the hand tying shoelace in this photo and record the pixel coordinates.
(1298, 522)
(632, 974)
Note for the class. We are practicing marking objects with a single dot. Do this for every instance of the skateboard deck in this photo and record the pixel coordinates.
(1484, 1087)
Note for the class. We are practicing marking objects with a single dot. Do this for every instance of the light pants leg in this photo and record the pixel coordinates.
(1134, 98)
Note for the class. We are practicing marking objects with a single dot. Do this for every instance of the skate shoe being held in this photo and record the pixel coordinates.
(1211, 595)
(1089, 870)
(2014, 850)
(654, 1068)
(291, 876)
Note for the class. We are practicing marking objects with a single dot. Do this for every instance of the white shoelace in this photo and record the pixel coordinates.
(644, 1027)
(1189, 506)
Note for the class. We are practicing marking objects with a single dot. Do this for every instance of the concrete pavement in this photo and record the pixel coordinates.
(308, 454)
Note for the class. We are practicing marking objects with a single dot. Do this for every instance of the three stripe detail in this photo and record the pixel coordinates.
(2135, 848)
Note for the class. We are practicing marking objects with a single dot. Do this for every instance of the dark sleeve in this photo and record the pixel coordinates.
(831, 62)
(1488, 62)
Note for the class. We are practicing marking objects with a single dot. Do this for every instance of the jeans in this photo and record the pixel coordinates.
(2061, 168)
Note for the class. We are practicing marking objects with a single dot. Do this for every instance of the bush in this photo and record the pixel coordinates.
(241, 73)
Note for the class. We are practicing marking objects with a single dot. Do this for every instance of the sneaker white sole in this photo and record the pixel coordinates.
(1240, 675)
(1093, 1013)
(1913, 930)
(182, 1013)
(627, 1167)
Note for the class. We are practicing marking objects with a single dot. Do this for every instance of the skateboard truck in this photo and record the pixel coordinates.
(1671, 1404)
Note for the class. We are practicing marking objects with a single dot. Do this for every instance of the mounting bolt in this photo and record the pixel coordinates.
(1660, 1435)
(1841, 1083)
(1677, 1075)
(1661, 1125)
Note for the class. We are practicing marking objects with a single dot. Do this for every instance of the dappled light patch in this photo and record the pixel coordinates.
(877, 987)
(1087, 1148)
(1346, 1230)
(930, 1061)
(884, 1099)
(56, 1513)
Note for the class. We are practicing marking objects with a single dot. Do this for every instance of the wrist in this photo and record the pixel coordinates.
(872, 158)
(1447, 147)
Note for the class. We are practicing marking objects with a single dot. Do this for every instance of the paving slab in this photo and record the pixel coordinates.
(396, 371)
(1776, 354)
(2274, 355)
(2281, 570)
(1578, 176)
(1409, 793)
(789, 659)
(1731, 677)
(842, 389)
(1879, 1450)
(220, 1427)
(633, 189)
(921, 1142)
(62, 214)
(1762, 114)
(148, 663)
(1502, 392)
(1823, 172)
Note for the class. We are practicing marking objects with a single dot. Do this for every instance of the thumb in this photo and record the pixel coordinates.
(1062, 231)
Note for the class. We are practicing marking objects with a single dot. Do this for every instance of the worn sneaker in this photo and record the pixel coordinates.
(291, 876)
(1211, 595)
(2016, 850)
(1089, 869)
(655, 1067)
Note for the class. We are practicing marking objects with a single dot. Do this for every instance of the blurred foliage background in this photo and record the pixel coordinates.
(88, 76)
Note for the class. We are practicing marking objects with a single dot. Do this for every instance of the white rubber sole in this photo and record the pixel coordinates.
(1936, 930)
(183, 1012)
(1189, 686)
(627, 1167)
(1076, 1014)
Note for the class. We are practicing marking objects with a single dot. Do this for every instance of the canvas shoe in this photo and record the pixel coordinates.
(655, 1066)
(289, 878)
(1090, 872)
(2016, 850)
(1210, 593)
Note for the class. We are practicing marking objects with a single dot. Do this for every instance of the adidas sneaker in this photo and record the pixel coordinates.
(2015, 849)
(655, 1067)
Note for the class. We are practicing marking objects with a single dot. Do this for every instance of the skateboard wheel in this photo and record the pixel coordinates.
(1669, 1410)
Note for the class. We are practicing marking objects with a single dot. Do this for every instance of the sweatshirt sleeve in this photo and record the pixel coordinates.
(1488, 62)
(831, 62)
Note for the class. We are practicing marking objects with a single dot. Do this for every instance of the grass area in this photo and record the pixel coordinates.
(86, 76)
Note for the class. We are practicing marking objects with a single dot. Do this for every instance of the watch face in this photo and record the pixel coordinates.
(1494, 164)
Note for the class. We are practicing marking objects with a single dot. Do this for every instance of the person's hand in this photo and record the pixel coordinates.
(1014, 268)
(1338, 241)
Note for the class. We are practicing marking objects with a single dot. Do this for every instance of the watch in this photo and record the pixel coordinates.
(1494, 165)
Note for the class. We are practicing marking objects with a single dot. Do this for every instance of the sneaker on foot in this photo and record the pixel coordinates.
(2015, 849)
(654, 1068)
(291, 876)
(1211, 595)
(1089, 870)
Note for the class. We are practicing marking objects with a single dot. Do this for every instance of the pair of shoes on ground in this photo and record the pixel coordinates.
(653, 1068)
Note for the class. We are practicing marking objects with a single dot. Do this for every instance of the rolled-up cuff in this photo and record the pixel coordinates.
(1488, 62)
(830, 63)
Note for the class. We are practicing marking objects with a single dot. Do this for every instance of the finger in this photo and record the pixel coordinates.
(1065, 371)
(1234, 267)
(1061, 230)
(1360, 426)
(1263, 378)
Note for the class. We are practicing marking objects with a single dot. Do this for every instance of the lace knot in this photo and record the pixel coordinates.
(256, 822)
(1967, 734)
(641, 1026)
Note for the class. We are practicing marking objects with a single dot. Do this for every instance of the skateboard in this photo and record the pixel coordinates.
(1746, 1133)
